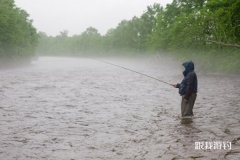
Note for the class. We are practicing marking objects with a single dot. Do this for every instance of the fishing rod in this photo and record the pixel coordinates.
(159, 80)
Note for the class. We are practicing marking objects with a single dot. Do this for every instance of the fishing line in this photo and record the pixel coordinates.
(125, 68)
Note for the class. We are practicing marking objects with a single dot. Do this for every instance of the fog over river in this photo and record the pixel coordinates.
(61, 108)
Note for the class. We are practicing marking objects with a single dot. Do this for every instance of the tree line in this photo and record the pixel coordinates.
(18, 37)
(183, 24)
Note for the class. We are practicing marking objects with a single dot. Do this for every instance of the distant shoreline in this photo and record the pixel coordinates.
(14, 62)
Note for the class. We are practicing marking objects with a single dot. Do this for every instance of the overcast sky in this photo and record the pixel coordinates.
(53, 16)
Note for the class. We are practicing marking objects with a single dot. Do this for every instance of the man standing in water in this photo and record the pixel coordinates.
(188, 89)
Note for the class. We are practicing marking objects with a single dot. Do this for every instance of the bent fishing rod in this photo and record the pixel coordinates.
(159, 80)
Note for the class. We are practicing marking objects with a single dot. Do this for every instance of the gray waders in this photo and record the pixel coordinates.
(187, 105)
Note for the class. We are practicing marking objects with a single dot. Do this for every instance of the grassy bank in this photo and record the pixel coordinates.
(216, 60)
(14, 62)
(209, 61)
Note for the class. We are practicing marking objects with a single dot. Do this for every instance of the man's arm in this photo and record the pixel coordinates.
(176, 85)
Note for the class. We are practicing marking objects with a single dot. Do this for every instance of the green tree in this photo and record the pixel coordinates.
(18, 36)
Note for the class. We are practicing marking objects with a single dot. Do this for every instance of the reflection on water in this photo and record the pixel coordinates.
(65, 108)
(186, 121)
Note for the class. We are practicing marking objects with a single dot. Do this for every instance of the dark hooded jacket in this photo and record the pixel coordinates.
(189, 83)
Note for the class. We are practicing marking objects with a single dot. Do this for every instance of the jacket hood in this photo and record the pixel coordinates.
(189, 67)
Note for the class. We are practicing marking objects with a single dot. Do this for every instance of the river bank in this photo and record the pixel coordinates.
(221, 61)
(14, 62)
(215, 61)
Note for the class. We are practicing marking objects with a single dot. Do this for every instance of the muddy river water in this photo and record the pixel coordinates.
(82, 109)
